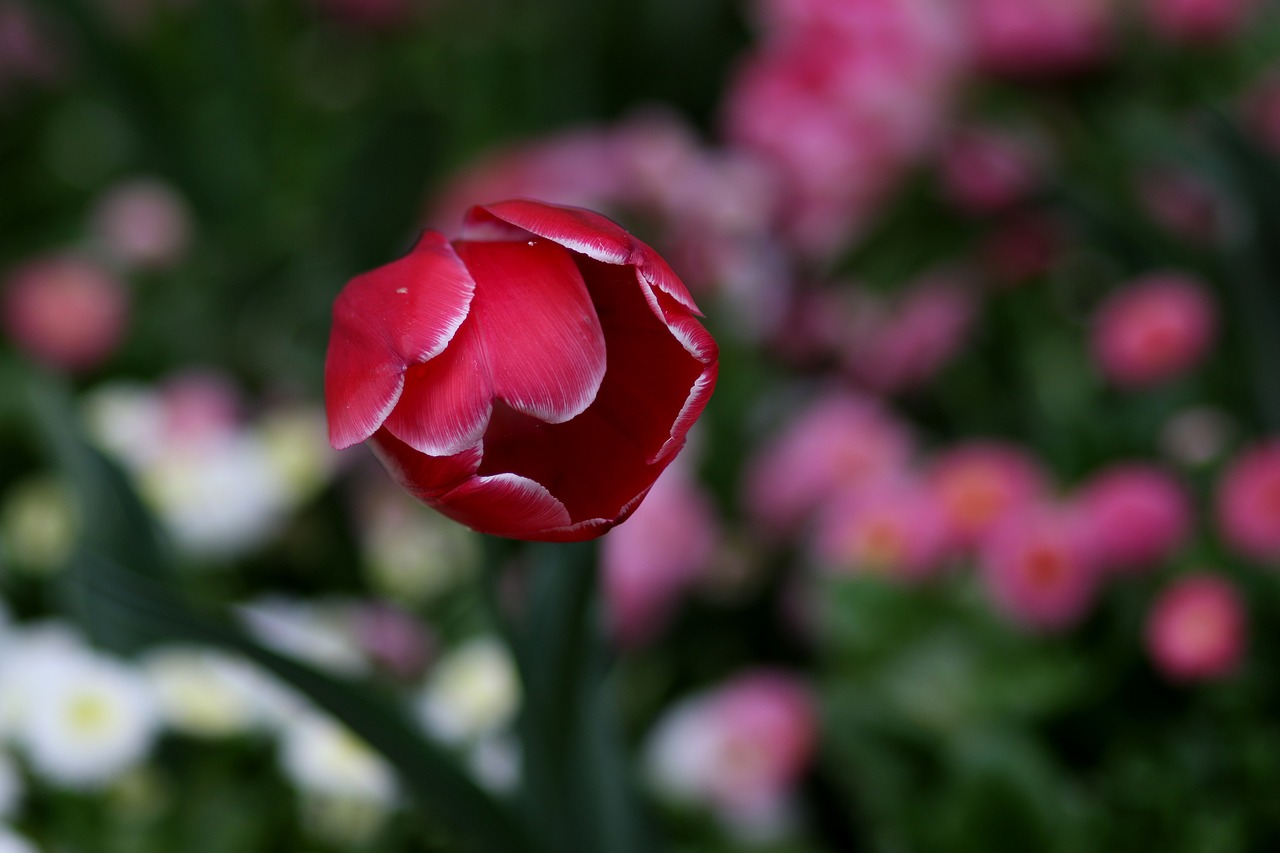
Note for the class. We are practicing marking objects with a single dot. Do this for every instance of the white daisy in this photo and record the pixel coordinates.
(323, 757)
(472, 692)
(202, 692)
(89, 719)
(11, 842)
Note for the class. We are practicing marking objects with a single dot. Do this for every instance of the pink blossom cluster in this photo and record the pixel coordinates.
(838, 100)
(712, 208)
(1040, 38)
(886, 343)
(844, 479)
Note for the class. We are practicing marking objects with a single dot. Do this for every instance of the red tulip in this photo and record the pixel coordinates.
(529, 380)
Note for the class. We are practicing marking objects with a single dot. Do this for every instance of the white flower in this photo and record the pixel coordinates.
(297, 445)
(318, 632)
(472, 692)
(11, 842)
(216, 498)
(11, 787)
(412, 554)
(89, 719)
(322, 757)
(126, 420)
(27, 653)
(203, 692)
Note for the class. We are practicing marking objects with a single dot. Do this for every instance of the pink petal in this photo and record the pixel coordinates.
(424, 477)
(504, 505)
(445, 405)
(587, 233)
(653, 390)
(541, 340)
(383, 321)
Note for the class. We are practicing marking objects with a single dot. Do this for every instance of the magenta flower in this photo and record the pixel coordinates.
(979, 484)
(1196, 629)
(1039, 570)
(1137, 515)
(1248, 503)
(839, 442)
(895, 528)
(530, 380)
(1154, 329)
(1040, 38)
(839, 100)
(650, 562)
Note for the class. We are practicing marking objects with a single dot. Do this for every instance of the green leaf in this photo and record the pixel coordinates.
(442, 792)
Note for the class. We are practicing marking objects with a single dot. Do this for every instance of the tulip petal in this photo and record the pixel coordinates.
(667, 343)
(556, 455)
(504, 505)
(446, 401)
(400, 314)
(541, 339)
(424, 477)
(587, 233)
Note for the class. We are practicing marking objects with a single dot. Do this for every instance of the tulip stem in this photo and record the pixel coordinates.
(577, 781)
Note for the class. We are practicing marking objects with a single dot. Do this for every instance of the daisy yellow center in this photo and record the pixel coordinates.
(89, 714)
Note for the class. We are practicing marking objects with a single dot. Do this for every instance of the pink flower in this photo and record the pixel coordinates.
(1154, 329)
(1137, 516)
(987, 169)
(392, 638)
(530, 380)
(1040, 38)
(1038, 569)
(1198, 21)
(981, 483)
(64, 311)
(894, 349)
(839, 100)
(1196, 629)
(713, 208)
(143, 223)
(200, 408)
(649, 562)
(739, 749)
(1248, 503)
(895, 528)
(839, 442)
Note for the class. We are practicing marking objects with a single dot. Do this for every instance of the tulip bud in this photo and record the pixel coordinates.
(530, 380)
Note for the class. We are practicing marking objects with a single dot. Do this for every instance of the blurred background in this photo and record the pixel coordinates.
(974, 548)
